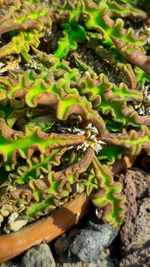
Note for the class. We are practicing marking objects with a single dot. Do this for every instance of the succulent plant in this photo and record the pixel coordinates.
(63, 121)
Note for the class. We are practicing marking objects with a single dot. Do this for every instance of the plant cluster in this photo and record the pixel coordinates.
(74, 99)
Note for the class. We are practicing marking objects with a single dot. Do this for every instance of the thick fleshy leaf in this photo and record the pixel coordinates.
(108, 196)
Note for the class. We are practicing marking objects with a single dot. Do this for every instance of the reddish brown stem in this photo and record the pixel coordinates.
(45, 229)
(122, 164)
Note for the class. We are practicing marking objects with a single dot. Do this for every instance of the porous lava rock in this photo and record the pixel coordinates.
(135, 232)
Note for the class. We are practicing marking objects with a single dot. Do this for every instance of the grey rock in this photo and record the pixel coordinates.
(10, 264)
(39, 256)
(103, 261)
(90, 241)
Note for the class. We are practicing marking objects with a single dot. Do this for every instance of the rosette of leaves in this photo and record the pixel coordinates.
(24, 93)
